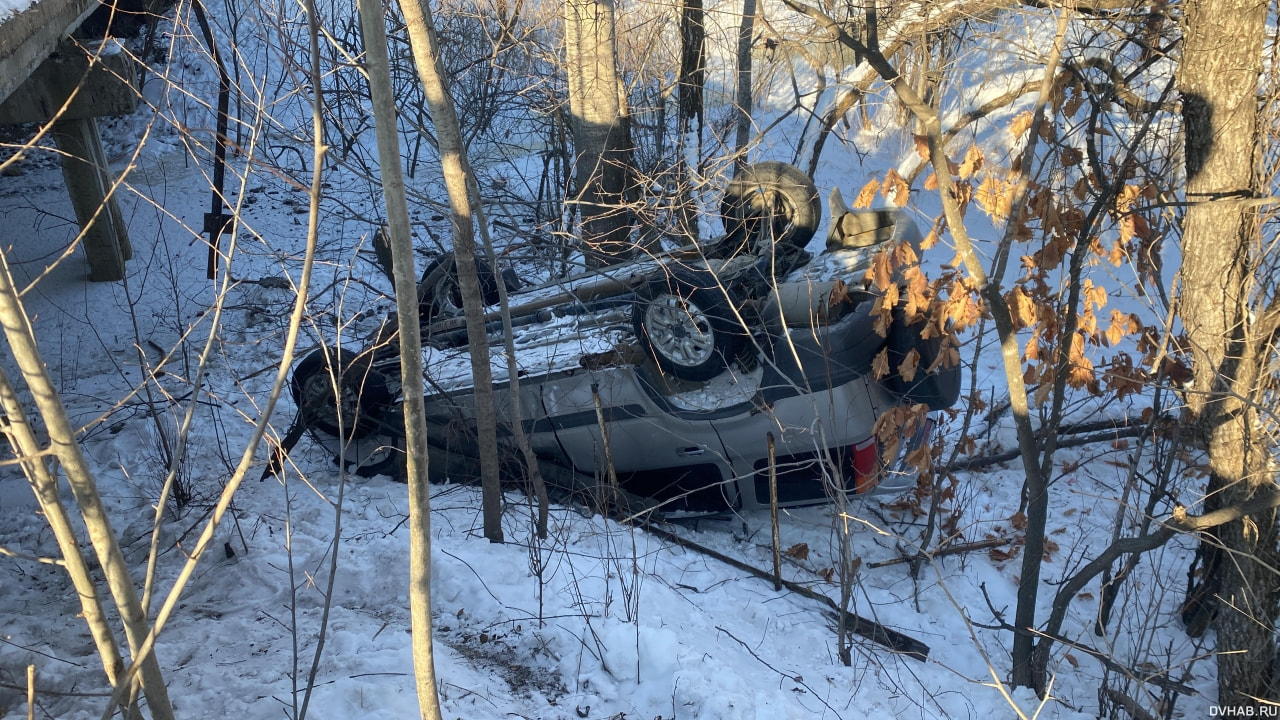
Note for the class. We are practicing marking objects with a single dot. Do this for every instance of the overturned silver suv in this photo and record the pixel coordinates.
(700, 377)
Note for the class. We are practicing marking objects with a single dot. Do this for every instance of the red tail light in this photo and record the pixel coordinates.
(865, 460)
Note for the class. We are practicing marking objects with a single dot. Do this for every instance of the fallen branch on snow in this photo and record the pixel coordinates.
(944, 551)
(1102, 431)
(869, 629)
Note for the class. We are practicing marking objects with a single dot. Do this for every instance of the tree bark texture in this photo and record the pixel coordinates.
(1219, 81)
(384, 103)
(693, 35)
(742, 93)
(45, 486)
(453, 161)
(600, 138)
(63, 444)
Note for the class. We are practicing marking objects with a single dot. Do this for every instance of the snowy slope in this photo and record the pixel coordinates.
(600, 621)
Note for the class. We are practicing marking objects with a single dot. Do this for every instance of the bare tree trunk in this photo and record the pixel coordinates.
(22, 343)
(425, 43)
(743, 100)
(45, 486)
(693, 66)
(513, 374)
(1026, 672)
(690, 115)
(1219, 80)
(599, 132)
(456, 170)
(384, 103)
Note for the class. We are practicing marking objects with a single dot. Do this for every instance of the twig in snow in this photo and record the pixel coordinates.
(987, 460)
(943, 551)
(869, 629)
(793, 678)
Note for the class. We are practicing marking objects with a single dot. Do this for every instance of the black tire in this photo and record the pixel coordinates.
(772, 199)
(439, 296)
(367, 398)
(686, 322)
(368, 436)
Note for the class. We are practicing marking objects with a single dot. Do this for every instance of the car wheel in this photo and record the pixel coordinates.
(771, 198)
(439, 296)
(361, 426)
(686, 322)
(365, 396)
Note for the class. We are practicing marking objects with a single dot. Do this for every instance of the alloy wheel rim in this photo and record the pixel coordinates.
(679, 330)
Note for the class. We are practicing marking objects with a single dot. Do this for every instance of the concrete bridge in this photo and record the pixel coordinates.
(42, 66)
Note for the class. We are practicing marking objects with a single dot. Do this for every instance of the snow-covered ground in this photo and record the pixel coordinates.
(599, 621)
(12, 7)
